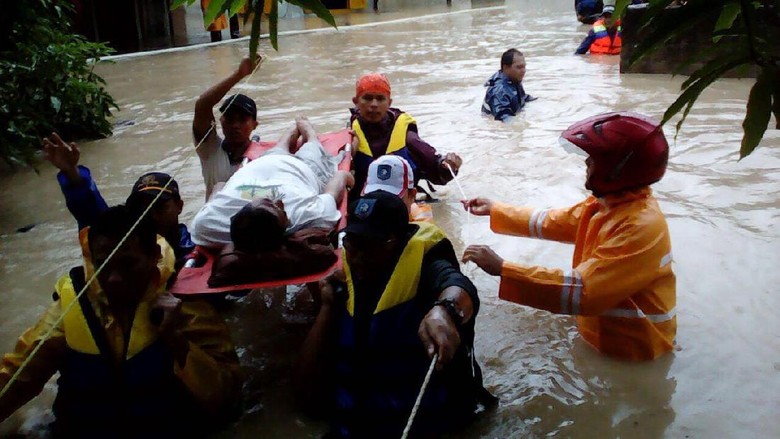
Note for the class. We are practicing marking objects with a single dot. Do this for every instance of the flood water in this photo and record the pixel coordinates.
(723, 380)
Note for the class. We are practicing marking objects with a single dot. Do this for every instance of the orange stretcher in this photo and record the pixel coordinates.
(193, 280)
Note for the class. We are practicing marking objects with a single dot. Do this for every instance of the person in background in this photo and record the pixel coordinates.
(222, 154)
(621, 286)
(505, 95)
(402, 300)
(219, 23)
(85, 202)
(606, 36)
(133, 360)
(381, 129)
(588, 11)
(391, 173)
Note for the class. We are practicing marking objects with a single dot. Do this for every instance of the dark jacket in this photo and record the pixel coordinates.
(381, 361)
(504, 98)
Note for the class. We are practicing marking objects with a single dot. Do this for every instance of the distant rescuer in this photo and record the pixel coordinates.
(606, 37)
(621, 286)
(505, 95)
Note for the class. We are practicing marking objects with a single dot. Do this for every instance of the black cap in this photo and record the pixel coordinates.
(241, 103)
(377, 215)
(151, 184)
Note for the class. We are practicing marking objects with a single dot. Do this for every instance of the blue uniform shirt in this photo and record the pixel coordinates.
(504, 98)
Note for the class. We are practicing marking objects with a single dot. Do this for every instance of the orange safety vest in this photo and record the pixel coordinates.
(603, 44)
(621, 286)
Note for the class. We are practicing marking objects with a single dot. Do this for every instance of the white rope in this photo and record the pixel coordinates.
(67, 309)
(467, 239)
(214, 122)
(419, 396)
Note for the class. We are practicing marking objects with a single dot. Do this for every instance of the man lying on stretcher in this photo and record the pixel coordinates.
(287, 189)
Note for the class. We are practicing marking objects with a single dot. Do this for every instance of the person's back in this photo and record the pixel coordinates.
(605, 38)
(621, 285)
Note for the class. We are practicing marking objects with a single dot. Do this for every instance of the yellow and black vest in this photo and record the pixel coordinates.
(396, 146)
(100, 396)
(378, 374)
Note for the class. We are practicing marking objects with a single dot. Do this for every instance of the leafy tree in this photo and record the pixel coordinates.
(256, 7)
(47, 82)
(745, 36)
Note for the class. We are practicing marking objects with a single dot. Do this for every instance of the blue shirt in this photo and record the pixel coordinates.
(504, 97)
(85, 203)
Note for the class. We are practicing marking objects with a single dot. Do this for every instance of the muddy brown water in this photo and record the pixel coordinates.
(723, 380)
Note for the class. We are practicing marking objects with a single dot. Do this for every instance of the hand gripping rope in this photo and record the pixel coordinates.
(48, 333)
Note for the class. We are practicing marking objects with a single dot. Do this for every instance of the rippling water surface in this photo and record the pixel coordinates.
(723, 379)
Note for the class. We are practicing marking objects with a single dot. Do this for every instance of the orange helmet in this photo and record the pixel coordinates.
(625, 150)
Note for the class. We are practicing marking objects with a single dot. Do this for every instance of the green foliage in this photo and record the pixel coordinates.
(47, 82)
(744, 38)
(217, 7)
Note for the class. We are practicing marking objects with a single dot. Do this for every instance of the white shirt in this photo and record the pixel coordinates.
(214, 162)
(274, 175)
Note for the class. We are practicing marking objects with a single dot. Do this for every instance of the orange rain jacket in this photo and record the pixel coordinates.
(621, 287)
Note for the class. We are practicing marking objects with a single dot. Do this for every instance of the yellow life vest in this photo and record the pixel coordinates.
(397, 137)
(78, 335)
(404, 281)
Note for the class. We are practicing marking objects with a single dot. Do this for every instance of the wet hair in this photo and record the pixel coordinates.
(508, 57)
(117, 221)
(254, 230)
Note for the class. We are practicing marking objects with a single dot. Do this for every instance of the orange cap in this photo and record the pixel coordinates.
(372, 83)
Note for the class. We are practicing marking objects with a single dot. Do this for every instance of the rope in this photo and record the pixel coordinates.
(419, 396)
(67, 309)
(467, 241)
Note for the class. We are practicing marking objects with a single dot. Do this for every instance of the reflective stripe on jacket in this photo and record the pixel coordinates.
(604, 44)
(621, 288)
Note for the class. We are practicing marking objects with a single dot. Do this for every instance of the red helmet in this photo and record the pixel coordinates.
(625, 150)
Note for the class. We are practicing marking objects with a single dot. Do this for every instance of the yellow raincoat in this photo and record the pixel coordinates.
(210, 370)
(621, 287)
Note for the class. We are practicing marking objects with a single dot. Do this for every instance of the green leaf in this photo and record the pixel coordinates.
(236, 5)
(176, 3)
(716, 64)
(708, 52)
(56, 103)
(759, 108)
(663, 25)
(254, 37)
(729, 13)
(689, 96)
(620, 7)
(317, 7)
(273, 22)
(215, 9)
